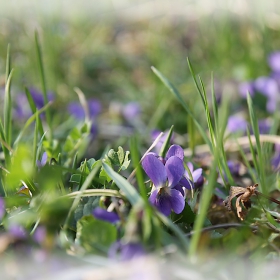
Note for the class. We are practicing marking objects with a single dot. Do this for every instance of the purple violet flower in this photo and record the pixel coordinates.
(131, 110)
(77, 111)
(275, 161)
(126, 251)
(267, 86)
(17, 231)
(104, 215)
(22, 109)
(236, 123)
(246, 87)
(40, 234)
(264, 126)
(189, 182)
(274, 61)
(234, 167)
(166, 175)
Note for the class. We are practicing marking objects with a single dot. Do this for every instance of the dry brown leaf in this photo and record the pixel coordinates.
(243, 196)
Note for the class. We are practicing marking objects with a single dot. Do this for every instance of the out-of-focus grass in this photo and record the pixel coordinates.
(111, 59)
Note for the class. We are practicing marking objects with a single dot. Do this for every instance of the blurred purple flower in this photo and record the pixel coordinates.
(274, 61)
(267, 86)
(22, 108)
(77, 111)
(43, 161)
(131, 110)
(2, 208)
(125, 251)
(166, 175)
(38, 97)
(236, 123)
(102, 214)
(275, 161)
(234, 167)
(94, 108)
(246, 87)
(264, 126)
(17, 231)
(40, 234)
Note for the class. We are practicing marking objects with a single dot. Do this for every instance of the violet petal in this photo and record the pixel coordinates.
(180, 189)
(177, 201)
(190, 166)
(196, 174)
(102, 214)
(175, 150)
(163, 204)
(155, 169)
(153, 197)
(175, 170)
(187, 183)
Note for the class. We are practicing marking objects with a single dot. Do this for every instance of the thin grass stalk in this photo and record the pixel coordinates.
(35, 141)
(174, 91)
(4, 145)
(33, 110)
(260, 162)
(43, 82)
(8, 110)
(208, 190)
(247, 164)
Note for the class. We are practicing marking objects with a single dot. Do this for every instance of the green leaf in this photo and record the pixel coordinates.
(130, 192)
(116, 158)
(75, 178)
(91, 163)
(187, 216)
(103, 173)
(21, 168)
(126, 161)
(75, 134)
(166, 144)
(94, 235)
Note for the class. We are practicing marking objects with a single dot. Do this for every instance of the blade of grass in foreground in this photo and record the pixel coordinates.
(176, 93)
(43, 80)
(208, 190)
(146, 221)
(219, 130)
(260, 161)
(29, 122)
(33, 110)
(8, 110)
(129, 191)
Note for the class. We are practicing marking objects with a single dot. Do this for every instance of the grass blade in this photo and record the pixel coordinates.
(130, 192)
(43, 80)
(174, 91)
(260, 162)
(29, 122)
(8, 110)
(33, 110)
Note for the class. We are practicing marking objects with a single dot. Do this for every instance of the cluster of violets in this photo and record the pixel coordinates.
(267, 86)
(130, 112)
(170, 179)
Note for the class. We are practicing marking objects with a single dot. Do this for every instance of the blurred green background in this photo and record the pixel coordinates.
(106, 48)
